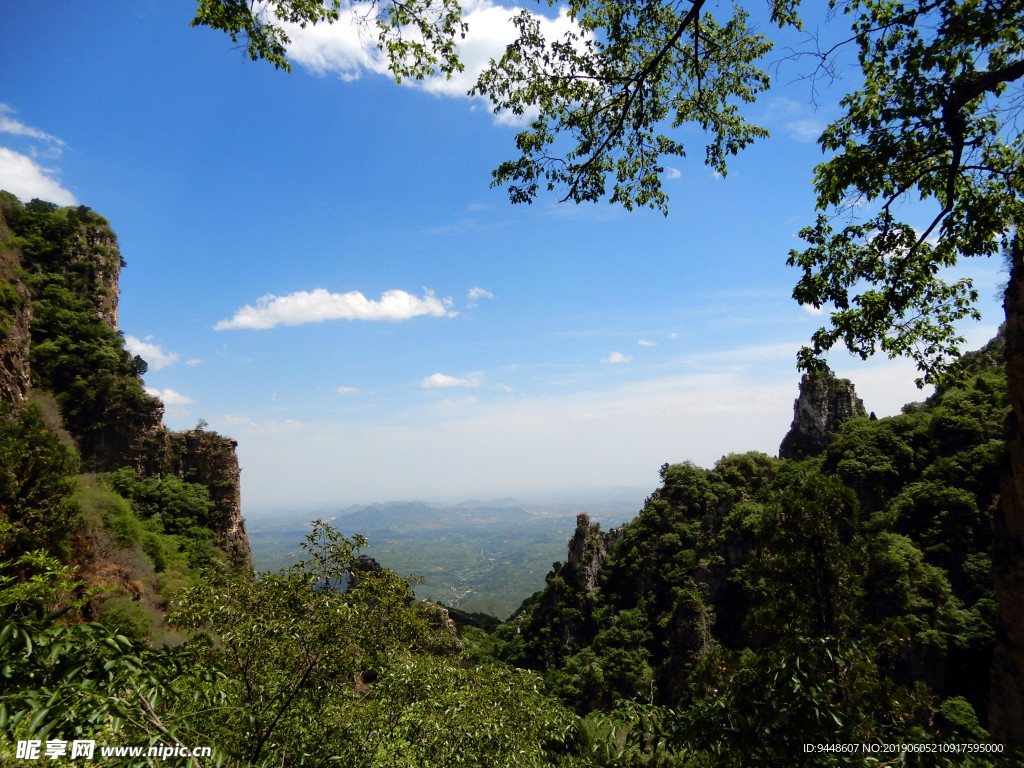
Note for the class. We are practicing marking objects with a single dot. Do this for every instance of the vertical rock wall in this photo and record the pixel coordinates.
(1006, 716)
(15, 322)
(202, 457)
(586, 555)
(823, 404)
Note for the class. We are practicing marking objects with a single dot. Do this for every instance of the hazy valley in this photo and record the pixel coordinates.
(476, 556)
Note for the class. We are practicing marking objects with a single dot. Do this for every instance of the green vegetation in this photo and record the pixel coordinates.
(69, 263)
(281, 669)
(36, 484)
(136, 540)
(748, 610)
(932, 128)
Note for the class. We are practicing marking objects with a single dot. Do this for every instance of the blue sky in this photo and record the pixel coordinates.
(318, 267)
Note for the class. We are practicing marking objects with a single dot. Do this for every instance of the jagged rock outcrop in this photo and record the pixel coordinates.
(97, 246)
(445, 636)
(197, 456)
(824, 403)
(586, 555)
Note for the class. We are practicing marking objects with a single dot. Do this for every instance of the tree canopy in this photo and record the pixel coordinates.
(934, 119)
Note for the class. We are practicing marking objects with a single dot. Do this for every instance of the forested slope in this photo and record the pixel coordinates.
(843, 597)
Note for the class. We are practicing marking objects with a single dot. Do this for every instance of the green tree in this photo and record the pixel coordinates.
(37, 484)
(81, 681)
(330, 662)
(418, 36)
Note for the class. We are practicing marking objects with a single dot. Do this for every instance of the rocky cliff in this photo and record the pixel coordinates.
(823, 404)
(1007, 715)
(56, 263)
(586, 555)
(15, 322)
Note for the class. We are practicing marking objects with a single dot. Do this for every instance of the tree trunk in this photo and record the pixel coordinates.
(1006, 716)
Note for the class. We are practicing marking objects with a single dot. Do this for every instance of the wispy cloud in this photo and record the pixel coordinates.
(151, 353)
(795, 117)
(170, 397)
(320, 304)
(475, 293)
(806, 130)
(616, 357)
(24, 177)
(18, 128)
(347, 390)
(442, 380)
(647, 343)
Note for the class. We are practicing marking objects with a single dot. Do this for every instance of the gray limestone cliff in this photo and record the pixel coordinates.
(823, 404)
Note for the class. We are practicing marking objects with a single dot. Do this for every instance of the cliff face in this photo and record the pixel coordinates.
(586, 555)
(197, 456)
(15, 321)
(96, 248)
(73, 254)
(823, 404)
(1007, 708)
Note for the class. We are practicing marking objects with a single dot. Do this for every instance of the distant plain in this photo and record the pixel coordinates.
(476, 556)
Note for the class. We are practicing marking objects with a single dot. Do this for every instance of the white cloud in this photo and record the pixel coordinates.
(647, 343)
(794, 117)
(476, 292)
(672, 173)
(347, 390)
(22, 176)
(320, 304)
(193, 361)
(18, 128)
(348, 48)
(616, 357)
(805, 131)
(170, 397)
(441, 380)
(810, 309)
(149, 352)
